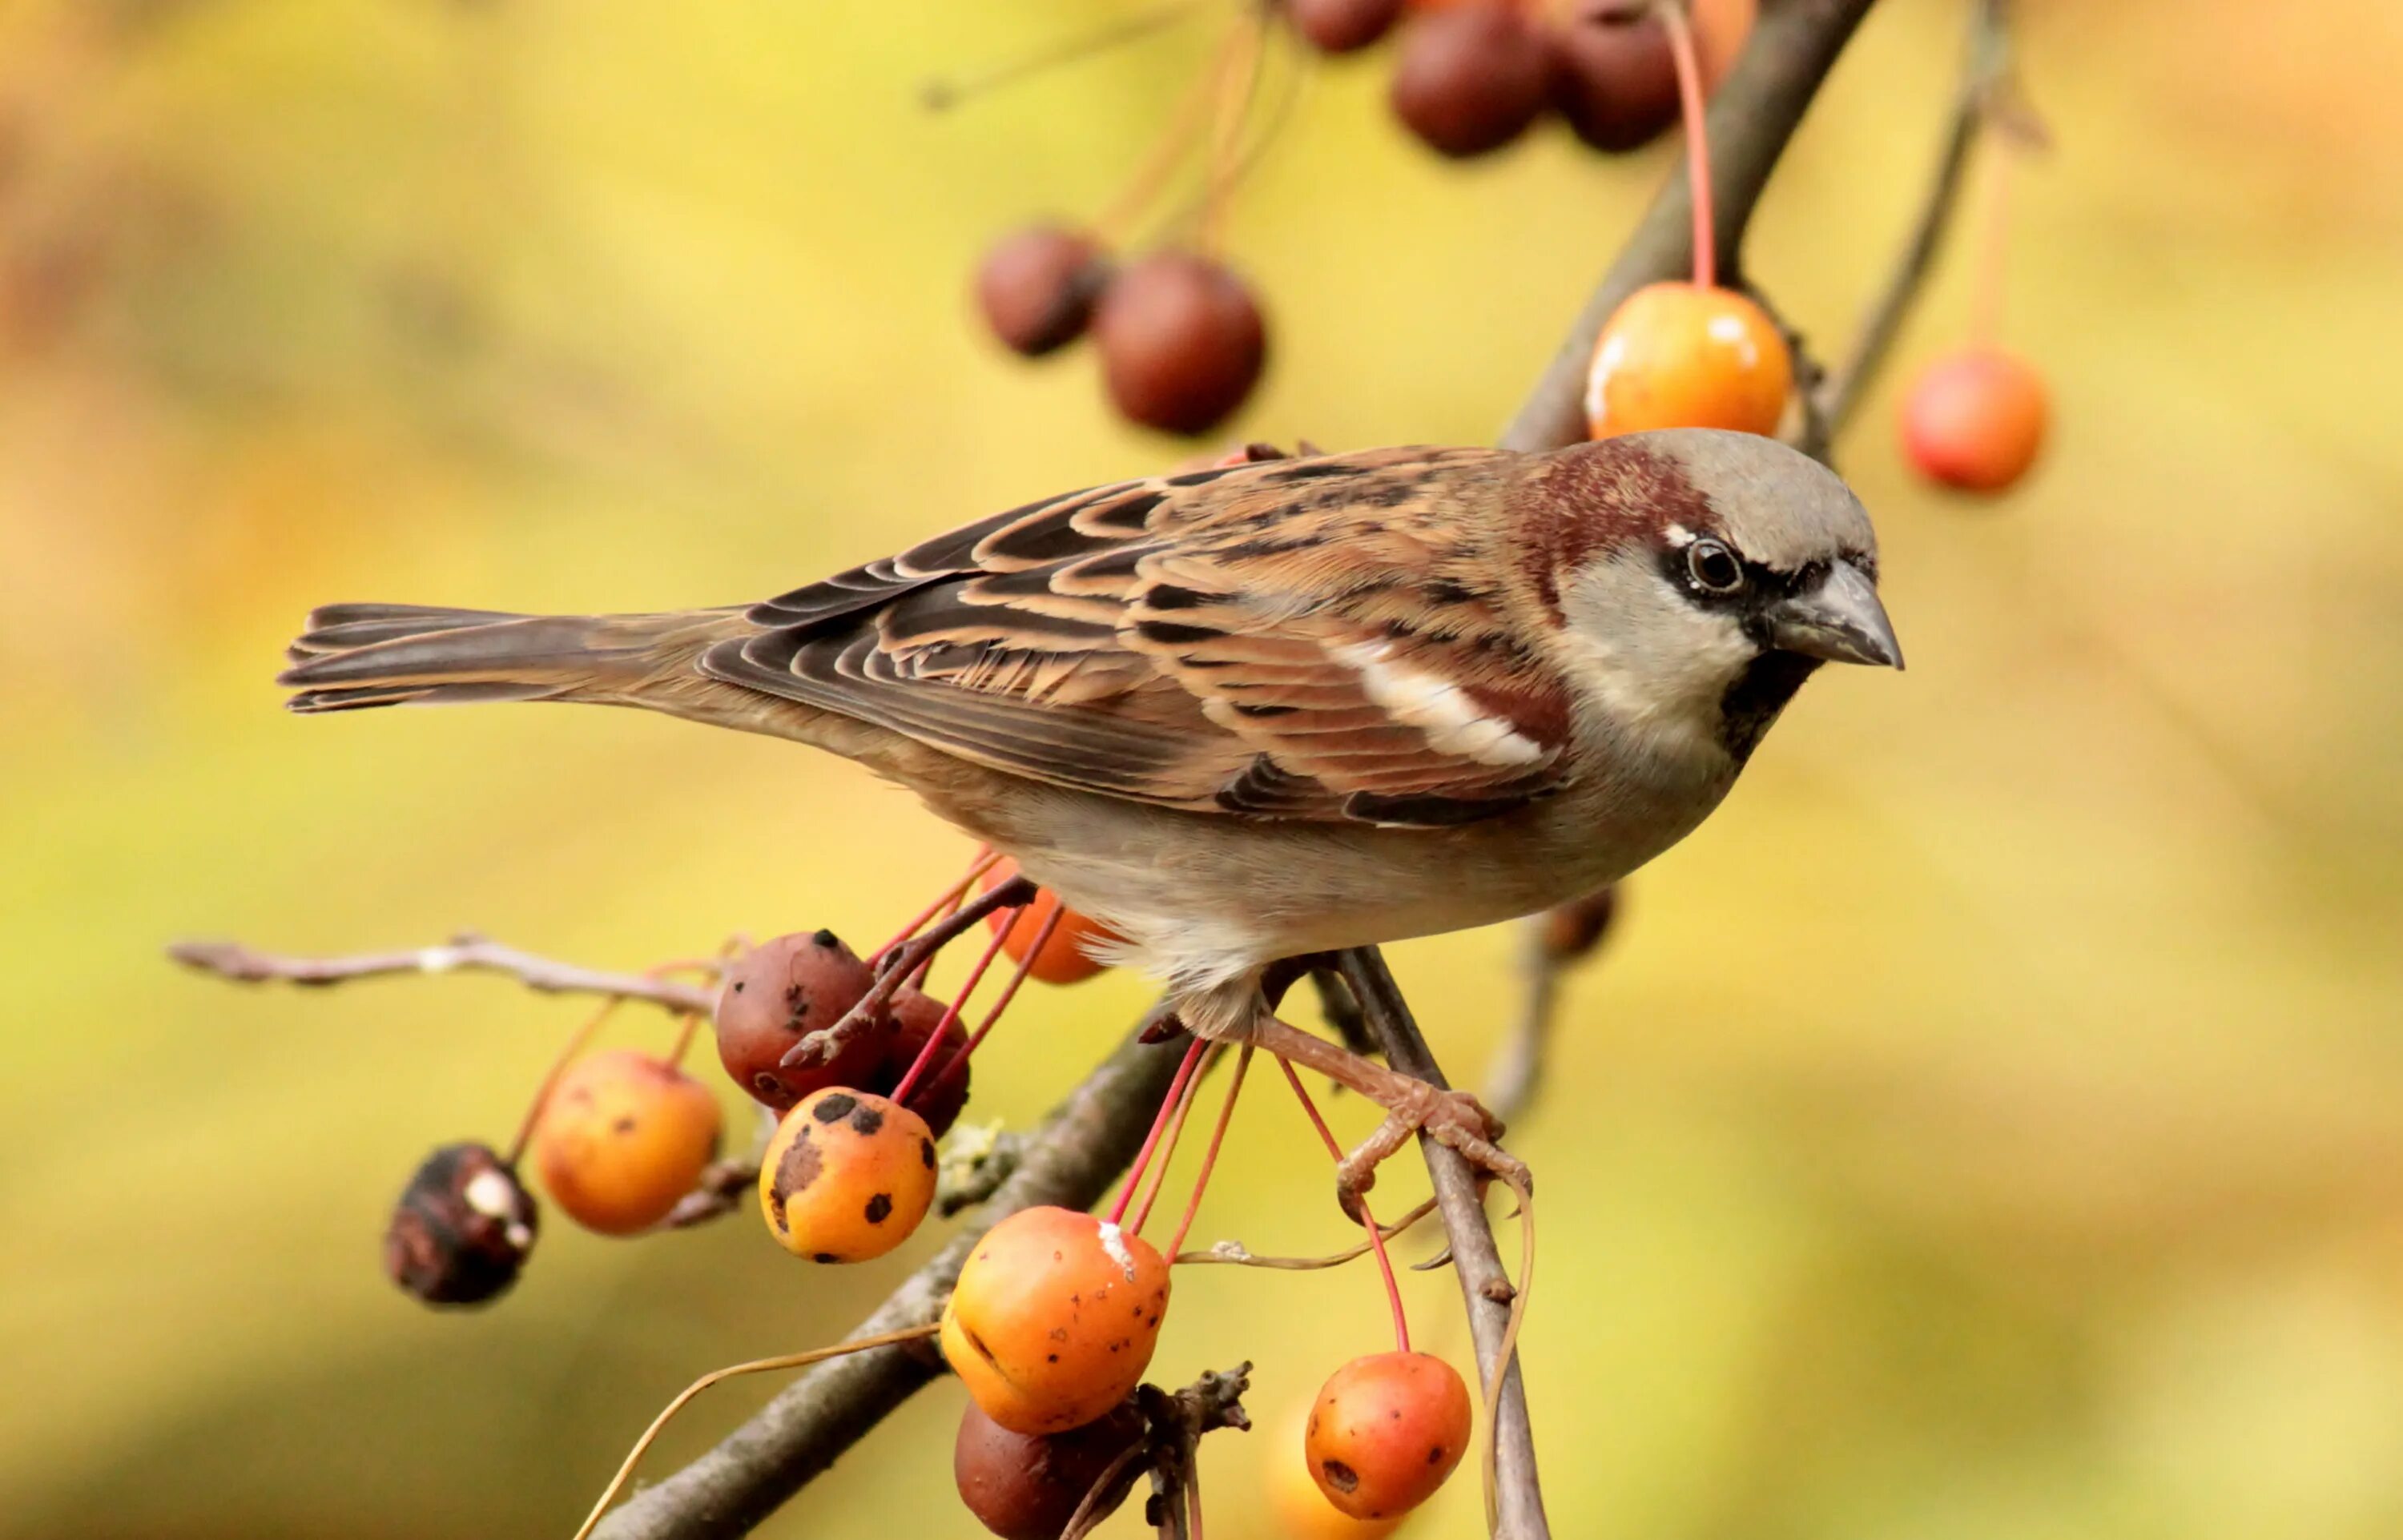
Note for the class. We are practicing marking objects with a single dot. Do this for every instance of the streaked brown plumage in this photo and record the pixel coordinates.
(1256, 711)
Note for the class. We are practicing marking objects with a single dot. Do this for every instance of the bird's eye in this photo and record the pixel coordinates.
(1713, 567)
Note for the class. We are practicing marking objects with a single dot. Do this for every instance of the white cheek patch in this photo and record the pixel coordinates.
(1453, 722)
(1655, 660)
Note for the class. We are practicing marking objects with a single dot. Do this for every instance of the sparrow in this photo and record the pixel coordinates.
(1264, 710)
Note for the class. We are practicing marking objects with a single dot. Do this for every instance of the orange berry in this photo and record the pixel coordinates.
(1677, 356)
(1302, 1511)
(1053, 1319)
(847, 1177)
(622, 1136)
(1721, 29)
(1385, 1432)
(1974, 420)
(1062, 959)
(1028, 1486)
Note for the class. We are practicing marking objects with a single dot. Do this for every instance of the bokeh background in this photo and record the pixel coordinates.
(1990, 1125)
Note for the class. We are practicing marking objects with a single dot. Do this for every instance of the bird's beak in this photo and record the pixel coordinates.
(1839, 620)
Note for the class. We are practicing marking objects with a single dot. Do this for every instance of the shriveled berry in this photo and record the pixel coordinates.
(1037, 286)
(775, 994)
(462, 1230)
(1679, 355)
(1613, 78)
(1054, 1318)
(1343, 26)
(1385, 1432)
(1028, 1486)
(847, 1177)
(1471, 77)
(622, 1136)
(1063, 958)
(1975, 421)
(942, 1091)
(1182, 341)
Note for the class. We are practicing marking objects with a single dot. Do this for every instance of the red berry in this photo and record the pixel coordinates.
(1182, 341)
(1343, 26)
(1028, 1486)
(1471, 77)
(1036, 287)
(1974, 420)
(1385, 1432)
(777, 992)
(1613, 77)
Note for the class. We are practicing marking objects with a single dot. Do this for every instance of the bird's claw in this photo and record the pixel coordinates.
(1453, 1119)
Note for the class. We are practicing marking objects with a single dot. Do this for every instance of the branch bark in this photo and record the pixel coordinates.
(463, 953)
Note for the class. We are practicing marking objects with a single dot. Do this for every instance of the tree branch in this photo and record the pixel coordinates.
(1757, 110)
(464, 953)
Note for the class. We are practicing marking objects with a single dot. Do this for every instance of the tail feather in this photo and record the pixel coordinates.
(354, 655)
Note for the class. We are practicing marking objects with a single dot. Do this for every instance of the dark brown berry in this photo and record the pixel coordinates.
(1613, 78)
(462, 1230)
(777, 992)
(1343, 26)
(1027, 1486)
(1471, 77)
(1036, 287)
(1182, 341)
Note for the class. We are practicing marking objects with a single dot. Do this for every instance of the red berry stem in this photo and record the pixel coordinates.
(950, 1013)
(1376, 1236)
(1008, 993)
(941, 95)
(1159, 1177)
(1986, 301)
(986, 856)
(1210, 1155)
(1159, 1126)
(1237, 78)
(1185, 122)
(1698, 142)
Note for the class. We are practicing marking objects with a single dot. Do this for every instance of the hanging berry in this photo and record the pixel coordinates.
(847, 1177)
(1691, 354)
(1054, 1318)
(1036, 287)
(1182, 341)
(1471, 77)
(462, 1229)
(622, 1136)
(770, 997)
(1974, 420)
(1343, 26)
(1385, 1432)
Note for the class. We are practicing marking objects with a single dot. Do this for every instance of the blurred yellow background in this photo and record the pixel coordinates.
(1990, 1125)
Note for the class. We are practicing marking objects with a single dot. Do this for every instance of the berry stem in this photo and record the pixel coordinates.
(1986, 303)
(1158, 1175)
(942, 95)
(684, 1037)
(1185, 122)
(950, 1014)
(1158, 1125)
(1008, 991)
(1376, 1236)
(566, 1055)
(1238, 78)
(1698, 142)
(756, 1365)
(1210, 1155)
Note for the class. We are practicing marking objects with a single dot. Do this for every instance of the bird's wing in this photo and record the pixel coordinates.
(1306, 639)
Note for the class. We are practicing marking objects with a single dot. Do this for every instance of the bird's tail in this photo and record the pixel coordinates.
(385, 655)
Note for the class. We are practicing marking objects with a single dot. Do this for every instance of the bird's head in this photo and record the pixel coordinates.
(1698, 576)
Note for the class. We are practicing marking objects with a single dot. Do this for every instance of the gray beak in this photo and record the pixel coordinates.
(1839, 620)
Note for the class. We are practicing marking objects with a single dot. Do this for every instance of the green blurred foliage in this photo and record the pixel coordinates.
(1991, 1124)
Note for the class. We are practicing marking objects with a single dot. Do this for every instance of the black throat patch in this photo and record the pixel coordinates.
(1755, 698)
